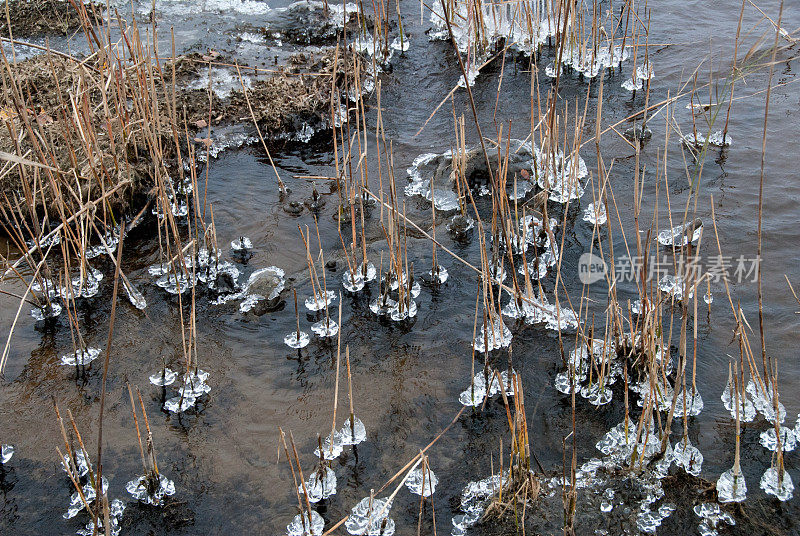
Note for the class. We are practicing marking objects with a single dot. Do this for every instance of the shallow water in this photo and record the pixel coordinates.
(223, 455)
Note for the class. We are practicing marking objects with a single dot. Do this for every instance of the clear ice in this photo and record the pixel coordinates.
(414, 481)
(688, 456)
(595, 213)
(768, 439)
(497, 336)
(781, 490)
(325, 328)
(163, 377)
(293, 340)
(677, 235)
(241, 244)
(51, 310)
(320, 485)
(302, 526)
(731, 487)
(139, 489)
(6, 452)
(355, 433)
(332, 446)
(370, 517)
(80, 357)
(712, 517)
(318, 302)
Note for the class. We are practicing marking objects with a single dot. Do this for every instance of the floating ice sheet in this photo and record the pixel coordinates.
(495, 335)
(353, 282)
(50, 310)
(318, 302)
(403, 310)
(382, 305)
(176, 283)
(325, 328)
(716, 139)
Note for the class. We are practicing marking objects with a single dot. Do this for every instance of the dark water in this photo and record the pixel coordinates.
(224, 456)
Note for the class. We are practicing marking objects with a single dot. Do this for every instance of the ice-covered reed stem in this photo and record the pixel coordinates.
(297, 486)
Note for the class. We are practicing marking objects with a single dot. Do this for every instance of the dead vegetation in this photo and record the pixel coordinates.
(27, 18)
(73, 129)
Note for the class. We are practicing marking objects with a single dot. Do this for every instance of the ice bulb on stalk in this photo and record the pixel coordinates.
(771, 485)
(731, 486)
(297, 340)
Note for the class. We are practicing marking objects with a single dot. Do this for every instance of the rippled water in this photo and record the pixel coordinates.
(406, 378)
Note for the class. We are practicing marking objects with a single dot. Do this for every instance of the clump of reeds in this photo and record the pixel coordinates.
(520, 487)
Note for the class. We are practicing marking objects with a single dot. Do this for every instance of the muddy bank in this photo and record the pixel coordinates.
(40, 17)
(76, 133)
